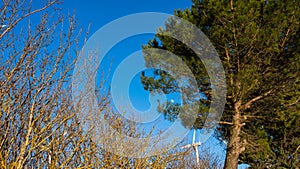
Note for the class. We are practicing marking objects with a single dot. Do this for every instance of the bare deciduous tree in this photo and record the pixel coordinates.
(38, 127)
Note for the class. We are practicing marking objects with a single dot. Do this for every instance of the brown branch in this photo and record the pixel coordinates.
(249, 116)
(294, 103)
(225, 122)
(296, 150)
(25, 16)
(249, 103)
(29, 131)
(287, 33)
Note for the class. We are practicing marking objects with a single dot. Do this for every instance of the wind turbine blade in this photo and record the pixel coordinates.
(194, 135)
(186, 146)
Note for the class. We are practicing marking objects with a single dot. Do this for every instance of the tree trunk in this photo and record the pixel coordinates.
(235, 146)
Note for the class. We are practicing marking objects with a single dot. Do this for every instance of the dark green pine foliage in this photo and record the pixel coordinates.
(259, 45)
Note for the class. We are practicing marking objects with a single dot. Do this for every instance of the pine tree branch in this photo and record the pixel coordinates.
(225, 122)
(296, 150)
(294, 103)
(287, 33)
(249, 103)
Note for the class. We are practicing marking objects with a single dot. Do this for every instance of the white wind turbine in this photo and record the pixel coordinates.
(195, 147)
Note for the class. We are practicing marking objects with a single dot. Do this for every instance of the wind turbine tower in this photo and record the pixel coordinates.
(195, 147)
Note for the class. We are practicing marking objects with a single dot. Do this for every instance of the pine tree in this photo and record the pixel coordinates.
(258, 43)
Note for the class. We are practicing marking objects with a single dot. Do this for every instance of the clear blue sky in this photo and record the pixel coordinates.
(100, 12)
